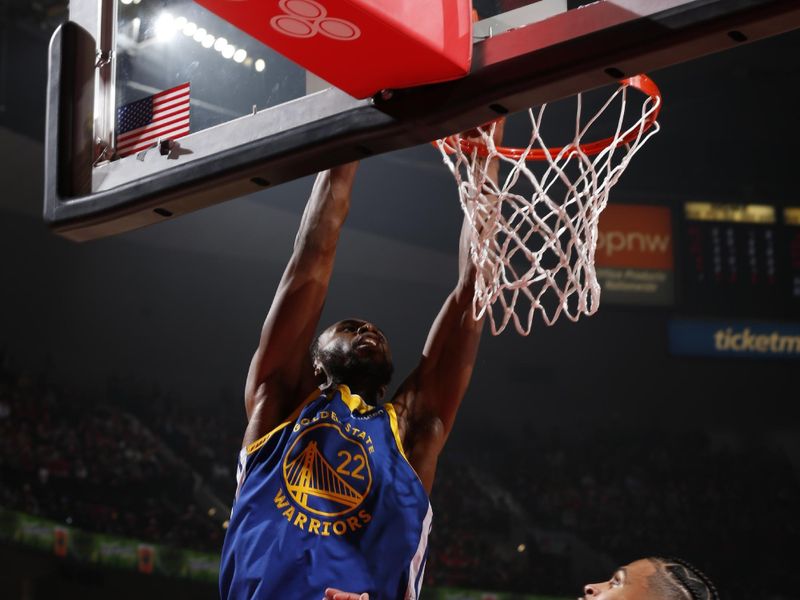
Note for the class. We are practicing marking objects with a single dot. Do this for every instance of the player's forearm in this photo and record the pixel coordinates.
(455, 327)
(325, 211)
(466, 267)
(282, 355)
(449, 357)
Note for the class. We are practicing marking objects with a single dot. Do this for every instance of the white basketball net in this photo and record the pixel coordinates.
(534, 234)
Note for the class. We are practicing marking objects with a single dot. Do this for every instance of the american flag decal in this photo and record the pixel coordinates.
(163, 116)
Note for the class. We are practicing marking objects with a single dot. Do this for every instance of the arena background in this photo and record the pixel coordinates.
(579, 448)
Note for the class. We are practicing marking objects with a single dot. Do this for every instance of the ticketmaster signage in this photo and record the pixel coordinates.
(736, 339)
(132, 555)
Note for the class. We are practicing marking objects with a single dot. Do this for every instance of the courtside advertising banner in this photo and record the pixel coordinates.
(634, 258)
(735, 339)
(106, 550)
(132, 555)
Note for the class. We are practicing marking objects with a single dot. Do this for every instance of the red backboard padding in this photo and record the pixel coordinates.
(362, 46)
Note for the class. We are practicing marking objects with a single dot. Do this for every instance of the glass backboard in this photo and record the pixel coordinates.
(257, 119)
(178, 41)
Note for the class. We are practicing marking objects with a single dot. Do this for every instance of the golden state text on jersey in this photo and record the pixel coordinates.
(327, 499)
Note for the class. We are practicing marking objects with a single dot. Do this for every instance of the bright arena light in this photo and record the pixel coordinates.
(126, 1)
(165, 27)
(260, 65)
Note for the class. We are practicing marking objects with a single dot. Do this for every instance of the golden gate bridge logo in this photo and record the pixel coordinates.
(329, 484)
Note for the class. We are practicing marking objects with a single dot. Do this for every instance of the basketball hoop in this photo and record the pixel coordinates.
(534, 230)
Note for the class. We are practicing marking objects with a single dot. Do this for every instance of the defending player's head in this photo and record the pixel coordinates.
(356, 353)
(654, 579)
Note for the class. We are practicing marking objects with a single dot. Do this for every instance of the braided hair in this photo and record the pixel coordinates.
(677, 579)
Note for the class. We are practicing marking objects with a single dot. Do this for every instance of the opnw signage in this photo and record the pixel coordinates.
(634, 259)
(734, 339)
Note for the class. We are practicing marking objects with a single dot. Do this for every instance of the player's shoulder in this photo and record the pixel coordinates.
(270, 413)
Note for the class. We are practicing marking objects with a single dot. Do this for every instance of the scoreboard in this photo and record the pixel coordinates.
(740, 260)
(792, 219)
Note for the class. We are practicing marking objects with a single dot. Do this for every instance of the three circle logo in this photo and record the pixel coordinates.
(307, 18)
(326, 472)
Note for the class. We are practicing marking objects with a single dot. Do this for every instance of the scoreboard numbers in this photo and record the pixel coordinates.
(741, 259)
(791, 216)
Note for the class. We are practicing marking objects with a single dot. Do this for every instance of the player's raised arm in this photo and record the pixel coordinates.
(281, 375)
(429, 399)
(440, 380)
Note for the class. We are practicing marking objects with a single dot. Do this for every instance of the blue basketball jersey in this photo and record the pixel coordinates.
(327, 499)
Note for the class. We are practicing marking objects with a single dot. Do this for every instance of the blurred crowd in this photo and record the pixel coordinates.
(724, 502)
(208, 443)
(94, 466)
(722, 499)
(526, 513)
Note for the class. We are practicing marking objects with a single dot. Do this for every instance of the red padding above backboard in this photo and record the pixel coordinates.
(362, 46)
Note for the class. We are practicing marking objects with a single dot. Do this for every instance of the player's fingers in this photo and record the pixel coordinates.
(344, 173)
(477, 132)
(334, 594)
(499, 127)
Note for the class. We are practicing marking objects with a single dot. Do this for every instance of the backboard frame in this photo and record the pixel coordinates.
(535, 63)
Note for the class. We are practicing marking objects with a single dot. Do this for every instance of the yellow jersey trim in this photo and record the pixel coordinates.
(356, 404)
(264, 439)
(253, 446)
(353, 401)
(395, 430)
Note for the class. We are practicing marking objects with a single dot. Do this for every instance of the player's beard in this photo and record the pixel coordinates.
(372, 371)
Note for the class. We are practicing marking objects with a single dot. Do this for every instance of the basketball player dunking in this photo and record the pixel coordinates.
(333, 483)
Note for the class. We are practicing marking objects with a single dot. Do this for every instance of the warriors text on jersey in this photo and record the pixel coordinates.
(327, 499)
